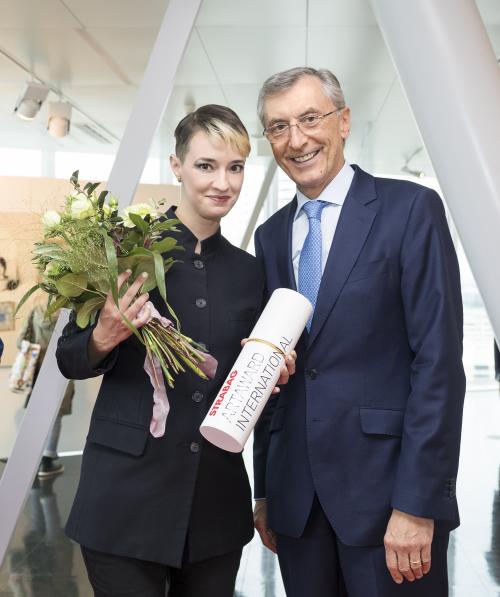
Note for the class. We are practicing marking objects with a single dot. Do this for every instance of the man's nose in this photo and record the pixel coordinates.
(297, 138)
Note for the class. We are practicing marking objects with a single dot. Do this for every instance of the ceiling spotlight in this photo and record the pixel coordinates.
(31, 100)
(59, 119)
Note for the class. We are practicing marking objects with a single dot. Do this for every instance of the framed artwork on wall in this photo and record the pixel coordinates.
(7, 309)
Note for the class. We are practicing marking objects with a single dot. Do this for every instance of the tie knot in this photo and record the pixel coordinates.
(313, 209)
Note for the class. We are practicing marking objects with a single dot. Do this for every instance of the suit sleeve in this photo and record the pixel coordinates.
(430, 289)
(261, 430)
(72, 353)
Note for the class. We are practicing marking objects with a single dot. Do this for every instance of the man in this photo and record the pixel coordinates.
(356, 461)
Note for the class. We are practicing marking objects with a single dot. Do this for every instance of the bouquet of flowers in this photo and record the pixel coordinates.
(84, 248)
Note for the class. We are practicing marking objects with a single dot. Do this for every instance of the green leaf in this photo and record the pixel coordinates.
(101, 199)
(112, 265)
(139, 223)
(166, 244)
(86, 311)
(26, 296)
(74, 177)
(162, 225)
(71, 285)
(59, 303)
(160, 276)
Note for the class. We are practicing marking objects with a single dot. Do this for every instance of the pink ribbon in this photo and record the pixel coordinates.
(152, 366)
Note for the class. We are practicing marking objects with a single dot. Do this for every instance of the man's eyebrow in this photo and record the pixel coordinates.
(308, 111)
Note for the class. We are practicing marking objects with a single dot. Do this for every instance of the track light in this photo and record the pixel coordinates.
(30, 101)
(59, 119)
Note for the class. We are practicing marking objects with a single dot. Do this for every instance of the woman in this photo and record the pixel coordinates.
(38, 328)
(173, 511)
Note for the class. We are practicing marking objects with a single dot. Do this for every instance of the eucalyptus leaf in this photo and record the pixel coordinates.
(74, 177)
(101, 199)
(139, 222)
(59, 303)
(112, 265)
(26, 296)
(160, 276)
(87, 309)
(71, 285)
(166, 244)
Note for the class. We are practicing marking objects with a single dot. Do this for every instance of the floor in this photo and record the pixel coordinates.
(42, 562)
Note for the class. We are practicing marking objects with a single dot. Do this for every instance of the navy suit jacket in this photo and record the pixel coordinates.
(372, 419)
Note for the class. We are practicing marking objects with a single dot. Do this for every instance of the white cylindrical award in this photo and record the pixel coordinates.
(253, 376)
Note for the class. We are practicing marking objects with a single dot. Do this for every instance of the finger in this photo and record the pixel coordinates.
(416, 564)
(391, 561)
(426, 558)
(404, 565)
(132, 291)
(134, 309)
(123, 277)
(276, 390)
(267, 537)
(290, 362)
(284, 376)
(143, 317)
(244, 341)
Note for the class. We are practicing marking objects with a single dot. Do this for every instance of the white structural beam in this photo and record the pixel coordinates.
(50, 386)
(263, 193)
(152, 98)
(451, 77)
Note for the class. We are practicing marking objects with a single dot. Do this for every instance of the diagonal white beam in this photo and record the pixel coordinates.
(152, 98)
(264, 191)
(451, 77)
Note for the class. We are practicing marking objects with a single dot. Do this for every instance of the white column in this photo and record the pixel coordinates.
(49, 389)
(152, 98)
(450, 74)
(264, 190)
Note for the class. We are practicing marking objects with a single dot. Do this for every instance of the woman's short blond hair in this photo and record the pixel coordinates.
(217, 122)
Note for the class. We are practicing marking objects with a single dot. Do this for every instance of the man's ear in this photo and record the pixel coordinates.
(345, 123)
(175, 164)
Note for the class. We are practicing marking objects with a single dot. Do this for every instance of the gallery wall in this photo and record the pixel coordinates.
(22, 201)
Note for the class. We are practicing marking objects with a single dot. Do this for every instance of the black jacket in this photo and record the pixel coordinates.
(176, 498)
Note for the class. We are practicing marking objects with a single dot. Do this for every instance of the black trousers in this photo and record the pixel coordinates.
(118, 576)
(318, 564)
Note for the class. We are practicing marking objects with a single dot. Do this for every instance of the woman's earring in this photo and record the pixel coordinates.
(179, 179)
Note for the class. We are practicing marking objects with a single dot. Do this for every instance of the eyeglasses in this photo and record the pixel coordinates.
(281, 130)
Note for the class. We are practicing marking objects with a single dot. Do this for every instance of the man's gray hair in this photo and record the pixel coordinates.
(284, 80)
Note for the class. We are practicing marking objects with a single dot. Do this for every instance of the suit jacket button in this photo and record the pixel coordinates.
(312, 373)
(201, 303)
(197, 396)
(194, 447)
(198, 263)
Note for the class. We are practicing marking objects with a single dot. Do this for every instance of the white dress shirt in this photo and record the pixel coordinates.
(334, 195)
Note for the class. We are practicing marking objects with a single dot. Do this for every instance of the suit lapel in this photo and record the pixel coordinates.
(284, 247)
(355, 222)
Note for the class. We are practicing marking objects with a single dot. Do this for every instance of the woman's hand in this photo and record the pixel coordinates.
(111, 329)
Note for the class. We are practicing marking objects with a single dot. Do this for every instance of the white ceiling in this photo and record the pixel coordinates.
(95, 53)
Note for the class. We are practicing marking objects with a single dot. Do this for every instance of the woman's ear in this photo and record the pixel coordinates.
(175, 164)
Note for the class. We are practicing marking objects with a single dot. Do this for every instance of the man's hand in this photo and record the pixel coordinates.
(267, 536)
(407, 543)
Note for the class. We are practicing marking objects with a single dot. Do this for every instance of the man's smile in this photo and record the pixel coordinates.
(305, 158)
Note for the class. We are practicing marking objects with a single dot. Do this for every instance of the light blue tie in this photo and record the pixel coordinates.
(310, 270)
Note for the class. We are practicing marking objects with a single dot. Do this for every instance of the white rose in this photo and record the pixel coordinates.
(51, 219)
(139, 209)
(82, 209)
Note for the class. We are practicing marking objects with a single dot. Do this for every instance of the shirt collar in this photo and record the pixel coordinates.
(188, 240)
(335, 192)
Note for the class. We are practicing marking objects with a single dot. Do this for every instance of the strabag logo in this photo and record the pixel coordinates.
(223, 393)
